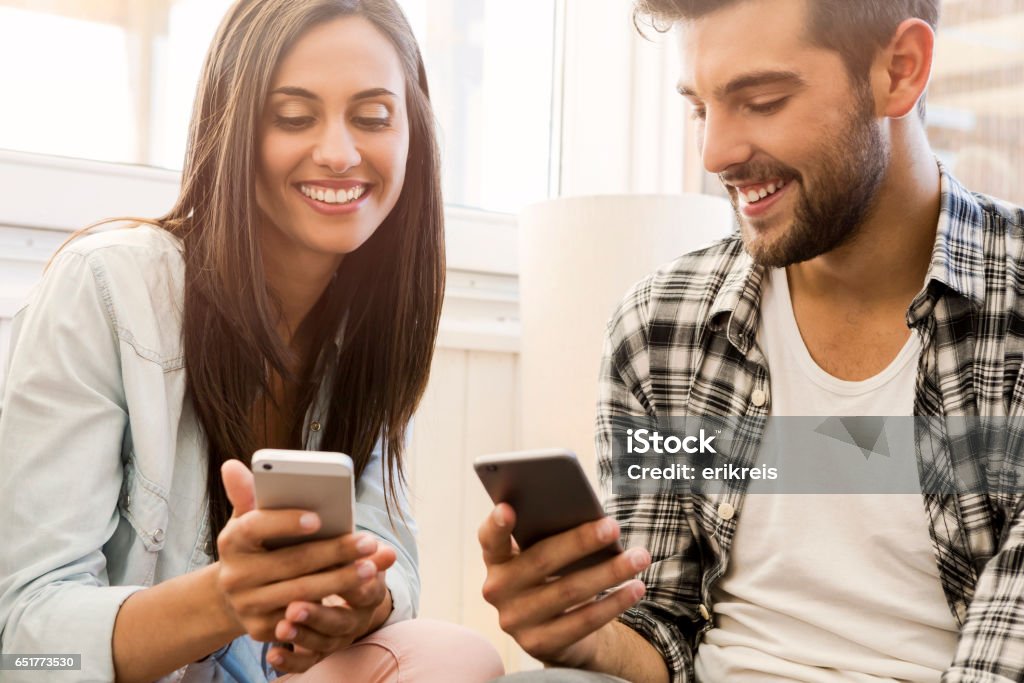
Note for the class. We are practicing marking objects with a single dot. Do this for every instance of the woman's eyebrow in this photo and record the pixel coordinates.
(309, 95)
(373, 92)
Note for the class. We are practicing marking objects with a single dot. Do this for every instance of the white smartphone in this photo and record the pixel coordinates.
(318, 481)
(549, 492)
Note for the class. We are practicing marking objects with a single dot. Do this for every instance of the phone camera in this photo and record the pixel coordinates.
(492, 468)
(267, 466)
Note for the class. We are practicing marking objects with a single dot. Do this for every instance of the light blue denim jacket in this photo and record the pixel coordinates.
(103, 464)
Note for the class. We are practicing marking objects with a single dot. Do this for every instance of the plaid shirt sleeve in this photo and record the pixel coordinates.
(991, 646)
(666, 616)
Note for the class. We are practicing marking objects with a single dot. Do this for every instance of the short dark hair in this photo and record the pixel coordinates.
(856, 29)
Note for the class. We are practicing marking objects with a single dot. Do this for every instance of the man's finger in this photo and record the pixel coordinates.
(495, 535)
(555, 597)
(581, 622)
(238, 484)
(546, 557)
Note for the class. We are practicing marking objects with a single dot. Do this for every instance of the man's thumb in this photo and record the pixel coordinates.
(238, 484)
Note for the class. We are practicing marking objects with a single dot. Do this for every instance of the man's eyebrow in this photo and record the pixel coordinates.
(309, 95)
(751, 80)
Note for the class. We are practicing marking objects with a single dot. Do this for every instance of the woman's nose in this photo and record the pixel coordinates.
(337, 150)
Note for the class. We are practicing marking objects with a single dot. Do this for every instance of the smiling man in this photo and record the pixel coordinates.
(863, 280)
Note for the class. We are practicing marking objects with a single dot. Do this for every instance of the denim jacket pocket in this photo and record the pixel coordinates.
(144, 507)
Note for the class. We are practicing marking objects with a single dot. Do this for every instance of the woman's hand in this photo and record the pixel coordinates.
(258, 584)
(317, 630)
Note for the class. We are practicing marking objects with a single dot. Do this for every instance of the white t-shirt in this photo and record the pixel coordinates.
(828, 587)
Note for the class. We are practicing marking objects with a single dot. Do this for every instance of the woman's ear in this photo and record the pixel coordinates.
(908, 67)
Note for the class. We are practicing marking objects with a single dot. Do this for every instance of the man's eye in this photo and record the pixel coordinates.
(768, 107)
(293, 122)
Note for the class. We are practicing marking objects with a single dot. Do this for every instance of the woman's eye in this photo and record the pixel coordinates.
(372, 122)
(293, 122)
(698, 113)
(768, 107)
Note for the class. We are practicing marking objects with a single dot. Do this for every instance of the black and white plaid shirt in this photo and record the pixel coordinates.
(683, 343)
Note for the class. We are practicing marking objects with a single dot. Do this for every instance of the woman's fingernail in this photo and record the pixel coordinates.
(275, 659)
(292, 632)
(302, 615)
(366, 569)
(309, 521)
(366, 545)
(499, 518)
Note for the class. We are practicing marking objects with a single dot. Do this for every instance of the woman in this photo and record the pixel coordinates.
(290, 299)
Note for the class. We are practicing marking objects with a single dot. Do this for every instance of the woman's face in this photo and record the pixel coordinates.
(333, 142)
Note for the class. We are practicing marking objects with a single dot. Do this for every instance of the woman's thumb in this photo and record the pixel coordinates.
(238, 483)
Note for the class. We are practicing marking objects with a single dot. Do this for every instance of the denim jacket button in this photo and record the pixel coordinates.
(315, 426)
(158, 535)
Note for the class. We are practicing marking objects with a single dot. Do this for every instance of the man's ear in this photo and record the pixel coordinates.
(907, 63)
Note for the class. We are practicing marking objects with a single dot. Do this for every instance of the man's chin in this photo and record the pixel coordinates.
(765, 240)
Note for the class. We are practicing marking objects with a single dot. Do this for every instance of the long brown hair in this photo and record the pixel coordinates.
(388, 292)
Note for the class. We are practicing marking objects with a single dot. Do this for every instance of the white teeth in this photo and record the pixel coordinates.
(754, 196)
(330, 196)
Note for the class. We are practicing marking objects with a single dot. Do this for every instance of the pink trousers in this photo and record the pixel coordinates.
(414, 651)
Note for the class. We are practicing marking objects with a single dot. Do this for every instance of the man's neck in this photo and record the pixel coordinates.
(887, 261)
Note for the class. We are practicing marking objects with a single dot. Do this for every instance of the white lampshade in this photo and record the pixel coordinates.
(578, 258)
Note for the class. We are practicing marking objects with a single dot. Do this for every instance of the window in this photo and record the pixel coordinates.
(114, 80)
(976, 99)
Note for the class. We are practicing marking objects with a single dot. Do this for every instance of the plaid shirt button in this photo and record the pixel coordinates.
(704, 614)
(758, 398)
(726, 511)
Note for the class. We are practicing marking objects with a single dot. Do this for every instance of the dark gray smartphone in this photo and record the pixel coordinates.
(550, 494)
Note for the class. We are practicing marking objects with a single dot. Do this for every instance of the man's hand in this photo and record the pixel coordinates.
(257, 584)
(557, 620)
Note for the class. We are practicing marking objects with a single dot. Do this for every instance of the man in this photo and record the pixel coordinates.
(864, 281)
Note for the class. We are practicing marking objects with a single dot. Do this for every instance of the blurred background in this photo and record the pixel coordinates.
(538, 101)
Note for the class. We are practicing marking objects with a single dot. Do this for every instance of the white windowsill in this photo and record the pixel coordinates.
(481, 303)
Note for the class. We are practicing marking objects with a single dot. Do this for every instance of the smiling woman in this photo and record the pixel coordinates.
(289, 299)
(325, 130)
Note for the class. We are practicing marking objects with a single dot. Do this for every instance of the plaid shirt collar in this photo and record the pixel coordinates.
(957, 264)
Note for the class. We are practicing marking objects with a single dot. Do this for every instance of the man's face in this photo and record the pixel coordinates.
(793, 139)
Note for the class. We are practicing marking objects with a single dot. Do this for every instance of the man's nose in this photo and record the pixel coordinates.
(723, 143)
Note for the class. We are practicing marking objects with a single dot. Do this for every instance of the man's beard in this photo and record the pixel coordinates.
(846, 185)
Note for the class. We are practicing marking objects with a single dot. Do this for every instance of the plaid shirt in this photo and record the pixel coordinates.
(683, 342)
